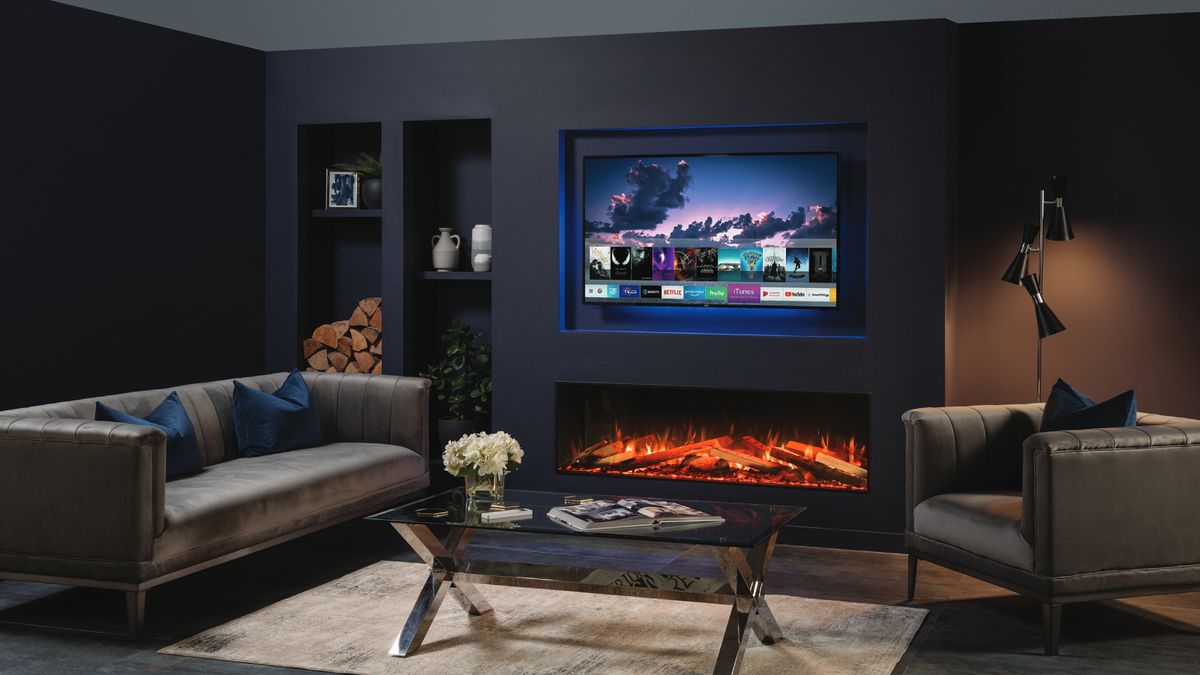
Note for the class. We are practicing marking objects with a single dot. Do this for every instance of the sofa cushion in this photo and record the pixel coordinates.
(170, 417)
(249, 494)
(279, 422)
(987, 524)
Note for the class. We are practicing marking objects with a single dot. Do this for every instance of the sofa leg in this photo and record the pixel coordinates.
(135, 611)
(912, 576)
(1051, 627)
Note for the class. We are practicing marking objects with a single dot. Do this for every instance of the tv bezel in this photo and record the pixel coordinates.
(703, 305)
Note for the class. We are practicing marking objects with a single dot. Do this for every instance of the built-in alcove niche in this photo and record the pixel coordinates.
(340, 251)
(447, 183)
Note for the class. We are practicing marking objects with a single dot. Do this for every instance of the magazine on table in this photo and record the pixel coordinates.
(604, 514)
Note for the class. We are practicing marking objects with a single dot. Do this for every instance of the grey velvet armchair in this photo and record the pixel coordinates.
(1061, 516)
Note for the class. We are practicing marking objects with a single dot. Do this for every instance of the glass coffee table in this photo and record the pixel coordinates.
(742, 546)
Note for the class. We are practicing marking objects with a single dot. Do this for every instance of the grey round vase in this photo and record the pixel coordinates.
(452, 430)
(372, 193)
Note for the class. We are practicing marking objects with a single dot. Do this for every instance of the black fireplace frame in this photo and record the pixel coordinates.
(561, 438)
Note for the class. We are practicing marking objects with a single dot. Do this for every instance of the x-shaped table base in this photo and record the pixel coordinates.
(449, 572)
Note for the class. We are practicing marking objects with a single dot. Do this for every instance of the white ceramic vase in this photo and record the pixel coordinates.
(445, 250)
(481, 240)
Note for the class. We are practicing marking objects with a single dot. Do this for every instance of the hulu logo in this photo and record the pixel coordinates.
(716, 293)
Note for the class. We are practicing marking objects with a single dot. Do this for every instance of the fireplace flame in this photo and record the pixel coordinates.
(772, 456)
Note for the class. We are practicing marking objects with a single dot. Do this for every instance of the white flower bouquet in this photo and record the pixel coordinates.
(482, 454)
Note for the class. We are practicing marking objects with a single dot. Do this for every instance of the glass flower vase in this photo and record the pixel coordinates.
(483, 490)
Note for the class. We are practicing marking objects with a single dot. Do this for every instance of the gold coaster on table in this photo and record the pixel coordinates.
(573, 500)
(431, 513)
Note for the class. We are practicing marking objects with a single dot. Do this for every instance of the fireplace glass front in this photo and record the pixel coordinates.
(756, 437)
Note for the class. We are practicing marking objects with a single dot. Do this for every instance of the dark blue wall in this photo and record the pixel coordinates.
(894, 78)
(132, 186)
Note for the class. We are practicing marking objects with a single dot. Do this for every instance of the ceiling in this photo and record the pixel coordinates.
(277, 25)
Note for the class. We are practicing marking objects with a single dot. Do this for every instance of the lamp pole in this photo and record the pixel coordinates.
(1041, 251)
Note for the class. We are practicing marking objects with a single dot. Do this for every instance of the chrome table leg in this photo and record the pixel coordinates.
(441, 559)
(745, 571)
(432, 594)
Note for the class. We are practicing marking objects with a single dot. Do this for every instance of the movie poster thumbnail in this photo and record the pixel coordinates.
(797, 264)
(598, 264)
(820, 265)
(641, 267)
(663, 261)
(774, 264)
(729, 264)
(706, 264)
(685, 264)
(751, 263)
(619, 264)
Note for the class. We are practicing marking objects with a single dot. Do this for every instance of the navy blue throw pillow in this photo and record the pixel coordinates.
(170, 417)
(269, 423)
(1067, 408)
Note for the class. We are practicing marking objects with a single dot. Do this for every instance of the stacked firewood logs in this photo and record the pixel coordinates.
(351, 346)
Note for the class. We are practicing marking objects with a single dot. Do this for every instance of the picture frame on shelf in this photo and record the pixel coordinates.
(341, 189)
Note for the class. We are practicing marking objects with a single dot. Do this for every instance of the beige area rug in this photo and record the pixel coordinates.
(348, 625)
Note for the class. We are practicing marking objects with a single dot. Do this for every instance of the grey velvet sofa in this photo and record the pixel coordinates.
(1061, 516)
(85, 503)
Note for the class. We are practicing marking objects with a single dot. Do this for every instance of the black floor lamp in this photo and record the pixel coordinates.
(1058, 229)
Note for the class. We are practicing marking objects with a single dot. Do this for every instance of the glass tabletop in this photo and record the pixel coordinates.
(745, 524)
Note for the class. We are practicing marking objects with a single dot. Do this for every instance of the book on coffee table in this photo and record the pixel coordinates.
(604, 514)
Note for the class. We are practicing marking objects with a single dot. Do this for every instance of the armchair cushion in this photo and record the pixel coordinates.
(987, 524)
(1068, 408)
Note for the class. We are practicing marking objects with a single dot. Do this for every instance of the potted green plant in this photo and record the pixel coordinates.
(370, 168)
(462, 382)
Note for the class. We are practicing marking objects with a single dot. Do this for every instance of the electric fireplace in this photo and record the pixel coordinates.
(753, 437)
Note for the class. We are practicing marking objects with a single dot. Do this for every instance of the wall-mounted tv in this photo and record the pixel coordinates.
(729, 230)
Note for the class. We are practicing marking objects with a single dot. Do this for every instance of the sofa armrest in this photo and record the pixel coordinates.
(964, 448)
(373, 409)
(80, 488)
(1113, 499)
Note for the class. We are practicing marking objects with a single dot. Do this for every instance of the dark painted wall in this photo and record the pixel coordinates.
(132, 188)
(895, 78)
(1111, 103)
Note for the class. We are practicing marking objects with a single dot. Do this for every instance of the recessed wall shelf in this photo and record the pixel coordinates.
(447, 183)
(457, 276)
(347, 213)
(339, 251)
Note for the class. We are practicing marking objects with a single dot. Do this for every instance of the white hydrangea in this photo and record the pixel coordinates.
(482, 454)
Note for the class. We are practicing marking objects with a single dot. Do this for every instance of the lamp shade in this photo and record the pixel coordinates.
(1048, 323)
(1016, 269)
(1059, 227)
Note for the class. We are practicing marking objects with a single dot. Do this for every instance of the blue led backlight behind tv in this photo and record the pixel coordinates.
(651, 218)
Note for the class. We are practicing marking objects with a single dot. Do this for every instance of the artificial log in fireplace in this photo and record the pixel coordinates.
(779, 438)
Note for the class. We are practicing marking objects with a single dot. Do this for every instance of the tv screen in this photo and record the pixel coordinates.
(738, 230)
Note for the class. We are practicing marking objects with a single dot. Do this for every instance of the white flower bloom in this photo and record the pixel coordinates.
(482, 454)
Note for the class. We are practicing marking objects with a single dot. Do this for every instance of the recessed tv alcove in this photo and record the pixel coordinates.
(789, 201)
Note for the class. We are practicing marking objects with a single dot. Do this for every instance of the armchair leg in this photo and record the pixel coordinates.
(912, 576)
(135, 611)
(1051, 627)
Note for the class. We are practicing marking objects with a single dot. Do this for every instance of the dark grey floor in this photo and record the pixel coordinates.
(972, 627)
